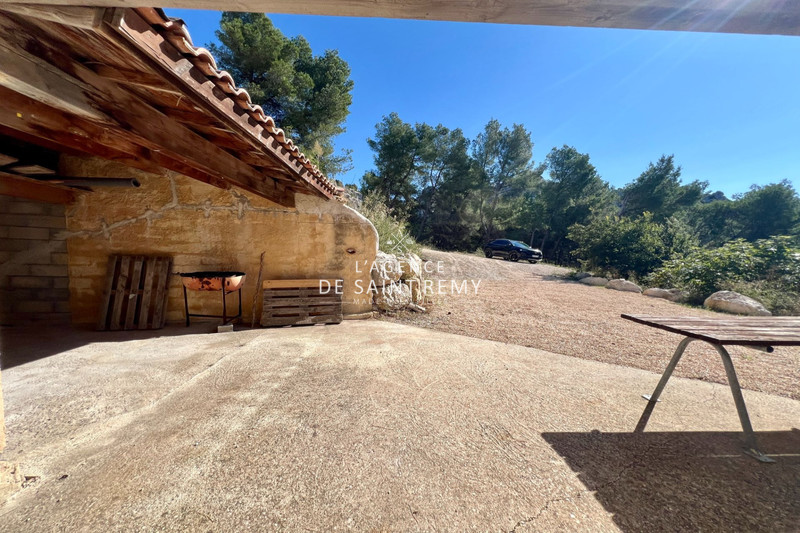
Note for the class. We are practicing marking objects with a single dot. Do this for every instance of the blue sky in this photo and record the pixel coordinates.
(727, 106)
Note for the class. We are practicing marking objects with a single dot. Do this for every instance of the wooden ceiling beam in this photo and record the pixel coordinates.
(31, 189)
(772, 17)
(79, 17)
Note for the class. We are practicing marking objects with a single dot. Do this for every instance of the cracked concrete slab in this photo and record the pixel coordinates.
(375, 426)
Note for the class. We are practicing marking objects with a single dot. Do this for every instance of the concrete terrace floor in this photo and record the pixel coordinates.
(374, 426)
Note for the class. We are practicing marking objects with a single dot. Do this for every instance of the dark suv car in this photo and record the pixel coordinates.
(512, 251)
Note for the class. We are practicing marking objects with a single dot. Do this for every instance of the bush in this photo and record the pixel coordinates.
(626, 246)
(768, 265)
(772, 294)
(390, 229)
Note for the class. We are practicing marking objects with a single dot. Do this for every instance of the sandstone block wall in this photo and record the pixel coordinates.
(33, 262)
(207, 228)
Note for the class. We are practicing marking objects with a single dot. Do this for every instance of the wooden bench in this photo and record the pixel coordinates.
(294, 302)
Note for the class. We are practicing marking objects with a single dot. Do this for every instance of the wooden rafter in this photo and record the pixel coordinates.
(164, 140)
(26, 74)
(31, 189)
(79, 17)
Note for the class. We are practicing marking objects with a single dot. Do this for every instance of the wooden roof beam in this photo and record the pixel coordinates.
(773, 17)
(79, 17)
(31, 189)
(24, 73)
(141, 123)
(35, 122)
(132, 77)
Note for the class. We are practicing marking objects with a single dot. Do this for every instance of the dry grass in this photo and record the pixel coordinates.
(529, 305)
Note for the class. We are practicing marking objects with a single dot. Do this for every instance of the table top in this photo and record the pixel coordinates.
(741, 331)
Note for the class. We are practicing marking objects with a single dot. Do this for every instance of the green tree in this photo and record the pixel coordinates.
(397, 162)
(760, 213)
(658, 190)
(445, 183)
(308, 96)
(769, 210)
(502, 162)
(573, 194)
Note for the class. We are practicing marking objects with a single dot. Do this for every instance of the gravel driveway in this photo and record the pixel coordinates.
(532, 305)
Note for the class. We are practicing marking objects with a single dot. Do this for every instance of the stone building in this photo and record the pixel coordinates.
(119, 136)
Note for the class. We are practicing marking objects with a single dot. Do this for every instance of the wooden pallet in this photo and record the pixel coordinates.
(294, 302)
(136, 293)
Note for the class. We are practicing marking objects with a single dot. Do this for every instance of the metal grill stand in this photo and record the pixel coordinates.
(224, 316)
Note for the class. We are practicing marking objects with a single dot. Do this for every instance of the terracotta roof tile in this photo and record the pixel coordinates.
(176, 33)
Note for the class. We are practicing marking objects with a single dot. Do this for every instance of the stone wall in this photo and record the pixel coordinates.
(33, 262)
(2, 416)
(207, 228)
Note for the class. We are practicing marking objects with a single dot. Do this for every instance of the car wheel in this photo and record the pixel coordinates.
(488, 254)
(513, 256)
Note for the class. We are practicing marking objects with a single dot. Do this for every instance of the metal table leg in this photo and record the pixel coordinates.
(749, 436)
(186, 305)
(751, 446)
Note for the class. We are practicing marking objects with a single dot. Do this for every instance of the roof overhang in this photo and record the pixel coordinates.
(128, 85)
(781, 17)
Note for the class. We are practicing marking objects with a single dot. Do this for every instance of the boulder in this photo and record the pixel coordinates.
(393, 296)
(410, 266)
(733, 302)
(386, 269)
(580, 275)
(595, 282)
(623, 285)
(673, 295)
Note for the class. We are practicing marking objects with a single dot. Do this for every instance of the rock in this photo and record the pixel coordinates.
(417, 308)
(673, 295)
(623, 285)
(581, 275)
(11, 479)
(595, 282)
(410, 266)
(393, 296)
(733, 302)
(386, 269)
(417, 290)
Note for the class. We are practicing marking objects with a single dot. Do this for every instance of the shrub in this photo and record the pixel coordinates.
(390, 229)
(630, 247)
(772, 294)
(775, 262)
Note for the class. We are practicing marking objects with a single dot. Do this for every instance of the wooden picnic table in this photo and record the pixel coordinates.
(760, 333)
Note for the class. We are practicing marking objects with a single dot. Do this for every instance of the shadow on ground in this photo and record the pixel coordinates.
(688, 481)
(23, 344)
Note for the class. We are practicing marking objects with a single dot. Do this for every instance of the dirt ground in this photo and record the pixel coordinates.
(373, 426)
(534, 306)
